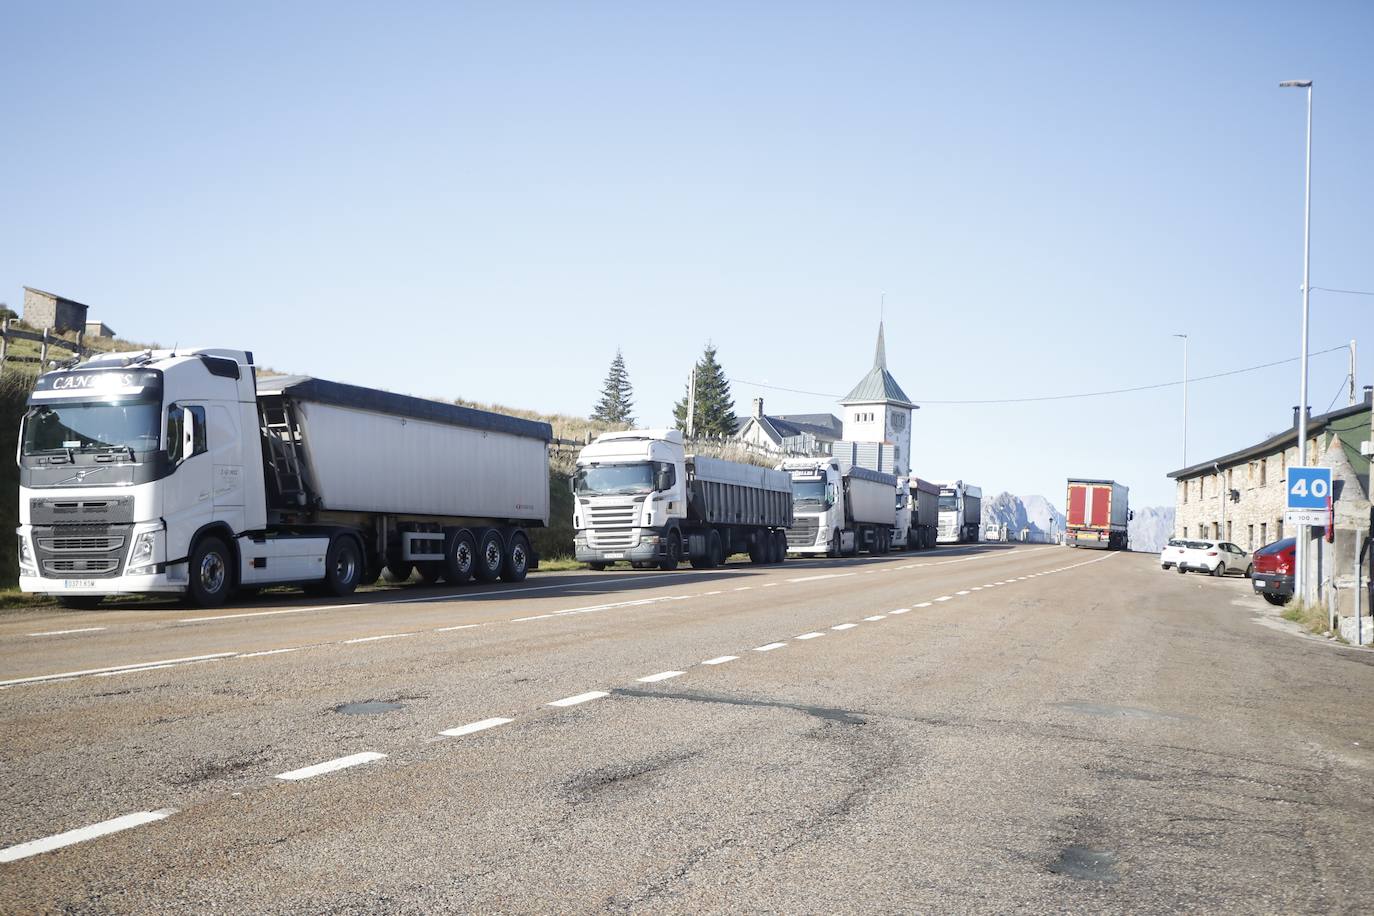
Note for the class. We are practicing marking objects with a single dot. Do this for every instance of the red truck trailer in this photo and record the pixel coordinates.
(1098, 513)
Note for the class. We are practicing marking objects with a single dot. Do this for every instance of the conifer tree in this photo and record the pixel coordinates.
(715, 408)
(616, 396)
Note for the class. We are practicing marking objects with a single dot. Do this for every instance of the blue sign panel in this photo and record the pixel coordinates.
(1309, 488)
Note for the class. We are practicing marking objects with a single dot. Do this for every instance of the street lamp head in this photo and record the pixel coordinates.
(1296, 84)
(1184, 336)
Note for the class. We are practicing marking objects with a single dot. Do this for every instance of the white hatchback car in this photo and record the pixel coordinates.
(1216, 558)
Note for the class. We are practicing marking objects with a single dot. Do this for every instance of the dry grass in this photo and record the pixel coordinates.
(1311, 617)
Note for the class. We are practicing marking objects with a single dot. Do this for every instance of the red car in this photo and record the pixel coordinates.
(1273, 575)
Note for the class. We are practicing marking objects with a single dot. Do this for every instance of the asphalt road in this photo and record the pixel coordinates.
(975, 729)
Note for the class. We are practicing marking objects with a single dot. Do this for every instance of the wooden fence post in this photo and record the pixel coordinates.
(4, 343)
(43, 354)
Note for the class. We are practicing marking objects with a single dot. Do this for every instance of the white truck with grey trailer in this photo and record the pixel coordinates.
(640, 498)
(961, 513)
(181, 472)
(840, 511)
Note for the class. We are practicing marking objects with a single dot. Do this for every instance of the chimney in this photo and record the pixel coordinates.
(1295, 415)
(1369, 395)
(758, 407)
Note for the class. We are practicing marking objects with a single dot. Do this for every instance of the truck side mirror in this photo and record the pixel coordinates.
(665, 477)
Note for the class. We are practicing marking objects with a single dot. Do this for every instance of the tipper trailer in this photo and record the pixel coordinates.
(838, 512)
(961, 513)
(1098, 514)
(182, 472)
(917, 511)
(640, 498)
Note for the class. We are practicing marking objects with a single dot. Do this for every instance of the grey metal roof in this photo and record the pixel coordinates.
(1273, 443)
(878, 385)
(815, 423)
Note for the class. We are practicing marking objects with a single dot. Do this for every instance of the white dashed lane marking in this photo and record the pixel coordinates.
(331, 766)
(271, 652)
(161, 663)
(65, 632)
(818, 578)
(810, 635)
(580, 698)
(844, 626)
(661, 676)
(876, 617)
(720, 660)
(82, 834)
(922, 604)
(350, 642)
(769, 647)
(472, 727)
(944, 598)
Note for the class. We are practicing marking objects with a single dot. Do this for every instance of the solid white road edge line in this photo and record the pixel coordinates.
(661, 676)
(82, 834)
(161, 662)
(330, 766)
(474, 727)
(580, 698)
(826, 576)
(350, 642)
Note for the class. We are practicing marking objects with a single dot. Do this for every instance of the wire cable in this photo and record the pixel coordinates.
(1064, 397)
(1348, 292)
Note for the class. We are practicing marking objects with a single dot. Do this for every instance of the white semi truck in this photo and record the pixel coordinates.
(640, 498)
(917, 511)
(961, 513)
(182, 472)
(838, 512)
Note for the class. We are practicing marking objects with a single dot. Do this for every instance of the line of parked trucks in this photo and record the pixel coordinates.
(183, 472)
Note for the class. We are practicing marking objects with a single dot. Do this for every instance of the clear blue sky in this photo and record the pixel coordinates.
(486, 200)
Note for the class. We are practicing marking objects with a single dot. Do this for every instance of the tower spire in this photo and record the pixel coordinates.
(880, 354)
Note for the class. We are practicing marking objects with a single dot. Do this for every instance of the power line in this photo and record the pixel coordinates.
(1348, 292)
(1061, 397)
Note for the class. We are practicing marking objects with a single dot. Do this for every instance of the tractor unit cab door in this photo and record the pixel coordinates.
(188, 493)
(226, 452)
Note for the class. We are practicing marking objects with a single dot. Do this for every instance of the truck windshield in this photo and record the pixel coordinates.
(809, 494)
(92, 426)
(948, 501)
(615, 479)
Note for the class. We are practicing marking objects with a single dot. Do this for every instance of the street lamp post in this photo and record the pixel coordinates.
(1185, 398)
(1300, 573)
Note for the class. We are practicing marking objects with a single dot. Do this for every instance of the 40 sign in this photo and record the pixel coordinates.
(1309, 496)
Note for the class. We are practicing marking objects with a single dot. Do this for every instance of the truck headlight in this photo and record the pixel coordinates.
(143, 557)
(26, 560)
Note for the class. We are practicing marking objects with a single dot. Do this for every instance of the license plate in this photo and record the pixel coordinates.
(613, 556)
(78, 583)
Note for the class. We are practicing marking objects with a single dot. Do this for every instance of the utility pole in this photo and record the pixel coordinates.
(1305, 531)
(1185, 398)
(1352, 373)
(692, 403)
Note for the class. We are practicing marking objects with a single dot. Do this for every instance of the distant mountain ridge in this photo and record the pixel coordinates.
(1149, 531)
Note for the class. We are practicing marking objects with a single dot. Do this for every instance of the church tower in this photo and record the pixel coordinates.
(877, 410)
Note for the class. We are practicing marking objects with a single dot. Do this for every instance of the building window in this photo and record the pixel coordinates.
(1264, 472)
(1249, 537)
(1278, 530)
(1263, 536)
(1216, 531)
(1228, 533)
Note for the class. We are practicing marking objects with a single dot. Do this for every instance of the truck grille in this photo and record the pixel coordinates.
(611, 516)
(87, 544)
(616, 537)
(84, 565)
(803, 532)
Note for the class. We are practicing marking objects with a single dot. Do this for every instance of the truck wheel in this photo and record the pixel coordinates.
(343, 567)
(398, 572)
(80, 602)
(597, 567)
(780, 546)
(491, 556)
(431, 571)
(833, 548)
(715, 551)
(759, 551)
(211, 572)
(460, 557)
(517, 564)
(1181, 570)
(672, 553)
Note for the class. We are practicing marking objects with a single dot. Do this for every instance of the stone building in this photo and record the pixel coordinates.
(1242, 497)
(49, 310)
(808, 434)
(96, 328)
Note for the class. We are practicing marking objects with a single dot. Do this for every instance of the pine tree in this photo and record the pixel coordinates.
(715, 408)
(616, 396)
